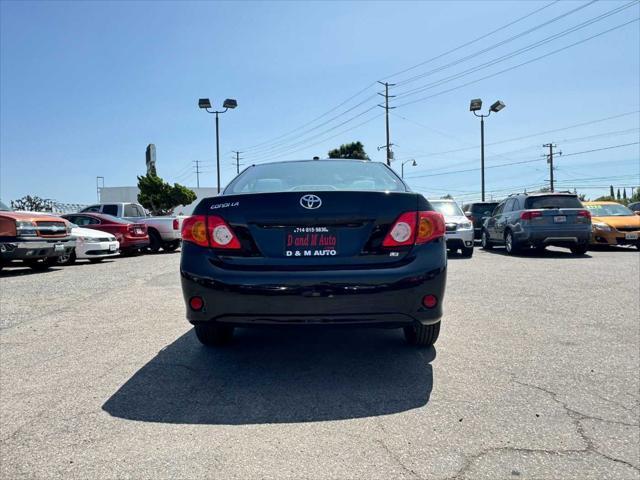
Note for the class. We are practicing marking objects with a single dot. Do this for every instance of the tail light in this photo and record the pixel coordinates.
(403, 231)
(209, 232)
(220, 234)
(415, 228)
(530, 215)
(194, 230)
(584, 213)
(176, 224)
(430, 226)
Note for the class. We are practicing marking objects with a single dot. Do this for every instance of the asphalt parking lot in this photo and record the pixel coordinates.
(535, 375)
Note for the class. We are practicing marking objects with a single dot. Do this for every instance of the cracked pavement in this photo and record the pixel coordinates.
(535, 376)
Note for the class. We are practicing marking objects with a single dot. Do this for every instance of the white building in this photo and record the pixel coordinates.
(130, 194)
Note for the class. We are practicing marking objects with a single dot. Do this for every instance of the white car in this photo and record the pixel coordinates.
(92, 245)
(459, 230)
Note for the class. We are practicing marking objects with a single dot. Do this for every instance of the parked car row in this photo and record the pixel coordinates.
(538, 220)
(41, 240)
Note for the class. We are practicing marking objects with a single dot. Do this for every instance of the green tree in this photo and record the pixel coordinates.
(611, 194)
(635, 196)
(583, 198)
(448, 196)
(159, 197)
(32, 204)
(624, 193)
(354, 150)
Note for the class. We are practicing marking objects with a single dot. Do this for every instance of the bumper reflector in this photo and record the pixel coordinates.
(429, 301)
(196, 303)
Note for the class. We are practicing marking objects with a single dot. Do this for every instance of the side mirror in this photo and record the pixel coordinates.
(468, 214)
(637, 212)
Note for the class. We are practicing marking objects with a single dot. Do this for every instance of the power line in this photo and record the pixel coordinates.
(496, 45)
(482, 37)
(521, 162)
(520, 64)
(538, 134)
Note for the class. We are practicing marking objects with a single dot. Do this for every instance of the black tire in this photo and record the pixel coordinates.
(40, 265)
(155, 242)
(466, 252)
(171, 246)
(67, 259)
(96, 260)
(510, 243)
(422, 335)
(214, 335)
(484, 241)
(579, 249)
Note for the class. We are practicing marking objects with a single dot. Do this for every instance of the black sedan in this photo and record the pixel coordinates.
(314, 242)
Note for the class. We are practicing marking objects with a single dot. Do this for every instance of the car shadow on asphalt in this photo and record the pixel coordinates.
(279, 375)
(19, 271)
(533, 253)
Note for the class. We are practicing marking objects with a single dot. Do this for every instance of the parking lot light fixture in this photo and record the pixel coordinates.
(475, 106)
(497, 106)
(205, 104)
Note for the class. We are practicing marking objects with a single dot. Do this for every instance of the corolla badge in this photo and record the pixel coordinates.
(310, 201)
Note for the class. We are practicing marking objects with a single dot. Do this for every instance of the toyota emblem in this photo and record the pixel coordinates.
(310, 201)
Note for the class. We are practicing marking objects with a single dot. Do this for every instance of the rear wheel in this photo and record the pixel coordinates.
(214, 335)
(422, 335)
(484, 241)
(510, 243)
(41, 265)
(67, 259)
(580, 249)
(155, 241)
(171, 246)
(467, 252)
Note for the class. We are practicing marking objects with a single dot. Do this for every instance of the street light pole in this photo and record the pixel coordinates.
(476, 104)
(414, 164)
(205, 104)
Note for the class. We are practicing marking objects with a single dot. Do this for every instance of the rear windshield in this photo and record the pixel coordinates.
(316, 175)
(609, 210)
(553, 201)
(449, 209)
(483, 208)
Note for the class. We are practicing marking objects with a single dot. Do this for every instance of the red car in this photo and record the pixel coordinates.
(133, 237)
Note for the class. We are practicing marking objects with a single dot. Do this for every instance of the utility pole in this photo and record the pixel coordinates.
(237, 161)
(198, 172)
(549, 156)
(387, 108)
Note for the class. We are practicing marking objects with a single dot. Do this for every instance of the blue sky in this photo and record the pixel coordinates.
(85, 86)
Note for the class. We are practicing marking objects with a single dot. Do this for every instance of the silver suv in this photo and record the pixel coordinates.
(538, 219)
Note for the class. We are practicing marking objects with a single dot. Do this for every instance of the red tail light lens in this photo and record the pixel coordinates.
(430, 226)
(403, 231)
(176, 224)
(221, 234)
(584, 213)
(194, 230)
(430, 301)
(530, 215)
(415, 228)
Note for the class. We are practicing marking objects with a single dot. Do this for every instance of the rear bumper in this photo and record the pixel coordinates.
(460, 238)
(601, 237)
(134, 244)
(555, 236)
(382, 296)
(97, 249)
(21, 249)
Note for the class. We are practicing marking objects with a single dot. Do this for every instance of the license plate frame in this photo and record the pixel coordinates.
(560, 219)
(310, 241)
(112, 247)
(58, 247)
(631, 236)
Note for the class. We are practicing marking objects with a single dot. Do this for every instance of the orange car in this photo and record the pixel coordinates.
(613, 224)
